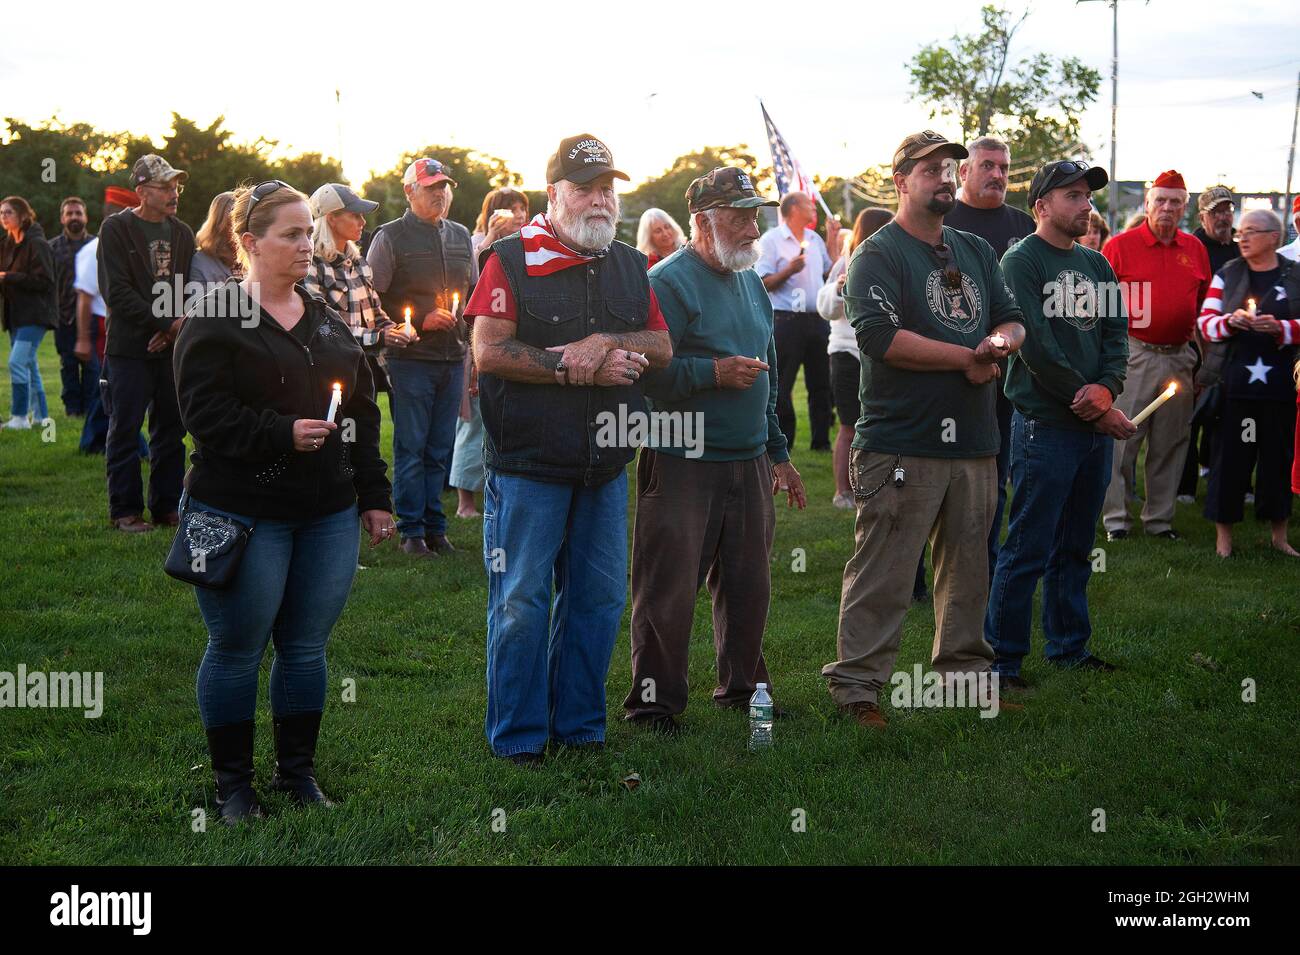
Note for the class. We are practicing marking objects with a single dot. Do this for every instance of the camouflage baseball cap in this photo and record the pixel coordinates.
(153, 168)
(1213, 197)
(725, 186)
(922, 144)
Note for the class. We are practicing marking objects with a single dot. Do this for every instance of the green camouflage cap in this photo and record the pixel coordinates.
(725, 186)
(153, 168)
(922, 144)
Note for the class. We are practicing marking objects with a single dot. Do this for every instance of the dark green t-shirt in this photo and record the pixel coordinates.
(896, 283)
(1076, 329)
(158, 240)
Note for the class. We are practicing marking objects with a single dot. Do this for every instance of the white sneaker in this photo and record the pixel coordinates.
(1250, 498)
(1186, 499)
(17, 424)
(844, 502)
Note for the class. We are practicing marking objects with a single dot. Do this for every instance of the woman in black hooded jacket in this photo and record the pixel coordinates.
(30, 306)
(256, 366)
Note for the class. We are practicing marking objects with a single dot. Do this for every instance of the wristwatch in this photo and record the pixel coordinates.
(562, 373)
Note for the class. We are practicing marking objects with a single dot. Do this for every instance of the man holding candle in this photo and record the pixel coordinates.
(424, 262)
(1063, 383)
(793, 263)
(925, 301)
(706, 513)
(565, 322)
(1163, 274)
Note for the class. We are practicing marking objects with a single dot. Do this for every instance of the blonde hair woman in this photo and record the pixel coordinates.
(658, 235)
(215, 257)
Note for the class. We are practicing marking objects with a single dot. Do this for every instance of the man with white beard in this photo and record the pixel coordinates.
(564, 323)
(709, 515)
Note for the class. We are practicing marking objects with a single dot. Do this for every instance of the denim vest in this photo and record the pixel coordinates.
(430, 264)
(548, 432)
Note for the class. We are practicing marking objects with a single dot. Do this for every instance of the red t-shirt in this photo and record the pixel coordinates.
(492, 298)
(1163, 285)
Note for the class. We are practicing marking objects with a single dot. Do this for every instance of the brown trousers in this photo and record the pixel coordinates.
(699, 521)
(1166, 434)
(949, 501)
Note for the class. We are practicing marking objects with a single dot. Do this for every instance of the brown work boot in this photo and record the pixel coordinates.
(134, 524)
(415, 547)
(866, 713)
(170, 519)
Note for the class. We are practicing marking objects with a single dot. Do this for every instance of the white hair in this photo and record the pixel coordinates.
(649, 219)
(323, 245)
(732, 258)
(584, 233)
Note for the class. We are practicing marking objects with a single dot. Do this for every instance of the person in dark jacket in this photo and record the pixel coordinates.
(1253, 329)
(424, 264)
(144, 259)
(258, 364)
(30, 306)
(80, 382)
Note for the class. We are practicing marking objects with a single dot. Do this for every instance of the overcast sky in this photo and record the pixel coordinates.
(654, 80)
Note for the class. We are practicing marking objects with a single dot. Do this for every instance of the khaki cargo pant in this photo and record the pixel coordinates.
(949, 501)
(1166, 434)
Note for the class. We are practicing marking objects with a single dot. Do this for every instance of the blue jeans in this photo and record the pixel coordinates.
(291, 587)
(547, 663)
(425, 402)
(1059, 480)
(25, 374)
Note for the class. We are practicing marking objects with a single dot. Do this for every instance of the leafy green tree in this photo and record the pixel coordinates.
(1035, 104)
(476, 174)
(668, 190)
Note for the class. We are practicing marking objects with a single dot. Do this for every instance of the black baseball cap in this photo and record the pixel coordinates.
(581, 159)
(1063, 172)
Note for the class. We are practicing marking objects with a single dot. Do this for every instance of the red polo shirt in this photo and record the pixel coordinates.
(1163, 284)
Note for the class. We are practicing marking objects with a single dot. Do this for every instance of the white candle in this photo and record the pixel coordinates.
(335, 400)
(997, 340)
(1160, 399)
(455, 302)
(409, 330)
(1250, 307)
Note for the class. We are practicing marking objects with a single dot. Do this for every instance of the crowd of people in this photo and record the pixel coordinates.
(963, 345)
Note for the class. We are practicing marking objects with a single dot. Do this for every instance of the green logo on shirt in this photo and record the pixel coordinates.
(1073, 297)
(955, 308)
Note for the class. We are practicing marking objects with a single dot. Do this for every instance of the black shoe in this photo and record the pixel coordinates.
(416, 547)
(1118, 535)
(1096, 663)
(661, 723)
(1169, 535)
(525, 760)
(295, 758)
(231, 748)
(439, 544)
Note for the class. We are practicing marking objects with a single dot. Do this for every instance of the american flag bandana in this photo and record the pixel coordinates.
(544, 254)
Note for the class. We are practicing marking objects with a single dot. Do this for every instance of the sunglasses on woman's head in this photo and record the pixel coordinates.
(260, 192)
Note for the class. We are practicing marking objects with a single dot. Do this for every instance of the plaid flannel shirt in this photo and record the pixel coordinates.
(346, 284)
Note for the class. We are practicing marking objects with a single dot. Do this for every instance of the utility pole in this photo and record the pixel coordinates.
(1290, 163)
(1112, 214)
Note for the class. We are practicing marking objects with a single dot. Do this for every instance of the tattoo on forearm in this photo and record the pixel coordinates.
(635, 341)
(518, 352)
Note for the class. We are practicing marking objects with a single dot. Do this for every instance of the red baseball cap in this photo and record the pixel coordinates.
(426, 172)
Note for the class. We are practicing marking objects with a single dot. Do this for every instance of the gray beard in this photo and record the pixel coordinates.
(733, 258)
(588, 234)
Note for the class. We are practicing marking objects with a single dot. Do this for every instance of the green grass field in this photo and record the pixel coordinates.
(1185, 771)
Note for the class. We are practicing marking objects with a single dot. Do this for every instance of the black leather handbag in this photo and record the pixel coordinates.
(207, 549)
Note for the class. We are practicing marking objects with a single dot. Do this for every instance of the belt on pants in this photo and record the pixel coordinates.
(1160, 349)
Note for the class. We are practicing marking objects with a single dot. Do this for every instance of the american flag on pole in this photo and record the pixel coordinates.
(789, 174)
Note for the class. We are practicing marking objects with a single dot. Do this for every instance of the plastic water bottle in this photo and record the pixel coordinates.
(760, 718)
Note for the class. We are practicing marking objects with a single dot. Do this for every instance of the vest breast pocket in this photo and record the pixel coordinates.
(551, 321)
(630, 314)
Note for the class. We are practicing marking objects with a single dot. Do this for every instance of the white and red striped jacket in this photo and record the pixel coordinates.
(1213, 323)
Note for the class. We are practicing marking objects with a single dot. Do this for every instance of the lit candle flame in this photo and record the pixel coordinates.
(455, 302)
(409, 329)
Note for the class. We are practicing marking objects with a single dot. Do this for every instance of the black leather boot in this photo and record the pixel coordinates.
(295, 758)
(231, 748)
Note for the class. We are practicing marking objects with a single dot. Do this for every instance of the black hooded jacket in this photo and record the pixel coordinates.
(30, 297)
(242, 383)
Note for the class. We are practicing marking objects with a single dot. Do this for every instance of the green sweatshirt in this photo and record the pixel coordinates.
(1076, 329)
(716, 315)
